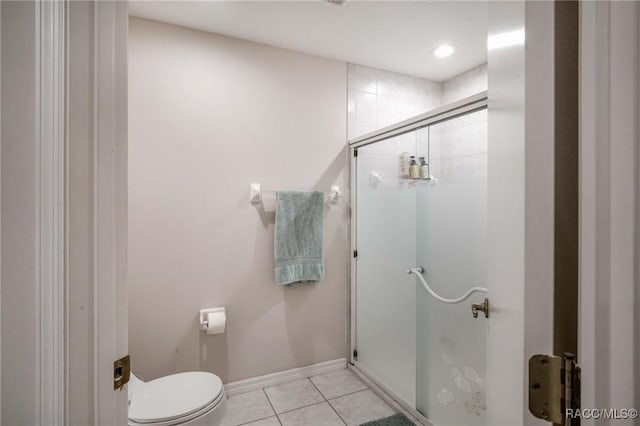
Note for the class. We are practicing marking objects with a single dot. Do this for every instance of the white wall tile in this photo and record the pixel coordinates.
(464, 85)
(380, 98)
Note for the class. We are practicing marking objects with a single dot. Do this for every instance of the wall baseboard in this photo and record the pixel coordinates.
(259, 382)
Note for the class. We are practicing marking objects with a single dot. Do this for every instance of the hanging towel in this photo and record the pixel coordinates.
(298, 245)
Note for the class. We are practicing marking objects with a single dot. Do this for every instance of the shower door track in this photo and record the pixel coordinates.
(388, 395)
(446, 112)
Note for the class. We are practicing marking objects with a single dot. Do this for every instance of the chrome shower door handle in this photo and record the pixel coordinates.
(480, 307)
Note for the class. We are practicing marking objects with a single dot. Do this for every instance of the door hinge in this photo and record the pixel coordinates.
(121, 372)
(355, 152)
(355, 253)
(554, 388)
(355, 353)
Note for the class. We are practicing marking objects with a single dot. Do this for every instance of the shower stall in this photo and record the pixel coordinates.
(427, 354)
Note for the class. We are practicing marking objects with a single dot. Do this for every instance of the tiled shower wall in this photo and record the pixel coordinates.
(464, 85)
(378, 98)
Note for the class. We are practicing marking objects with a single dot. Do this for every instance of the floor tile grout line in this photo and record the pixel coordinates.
(318, 389)
(299, 408)
(340, 396)
(260, 418)
(317, 403)
(294, 409)
(266, 395)
(256, 420)
(327, 401)
(351, 393)
(363, 390)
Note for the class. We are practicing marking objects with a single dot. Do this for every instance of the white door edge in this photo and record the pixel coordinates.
(98, 32)
(110, 206)
(520, 202)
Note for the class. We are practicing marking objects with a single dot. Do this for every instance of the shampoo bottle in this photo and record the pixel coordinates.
(424, 169)
(414, 169)
(404, 165)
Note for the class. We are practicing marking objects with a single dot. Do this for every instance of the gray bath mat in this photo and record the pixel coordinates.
(395, 420)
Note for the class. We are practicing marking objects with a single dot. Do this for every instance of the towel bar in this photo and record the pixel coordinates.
(256, 191)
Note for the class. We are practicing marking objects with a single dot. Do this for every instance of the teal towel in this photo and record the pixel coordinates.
(298, 237)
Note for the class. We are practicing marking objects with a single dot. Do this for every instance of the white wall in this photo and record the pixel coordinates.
(208, 115)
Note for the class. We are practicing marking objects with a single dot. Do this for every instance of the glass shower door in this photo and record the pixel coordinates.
(385, 295)
(429, 354)
(451, 245)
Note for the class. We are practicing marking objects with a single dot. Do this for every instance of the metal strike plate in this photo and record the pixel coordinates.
(121, 372)
(546, 388)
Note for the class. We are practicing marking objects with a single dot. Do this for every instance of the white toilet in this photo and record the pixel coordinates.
(192, 399)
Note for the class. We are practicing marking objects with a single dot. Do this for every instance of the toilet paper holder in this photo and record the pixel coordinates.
(204, 314)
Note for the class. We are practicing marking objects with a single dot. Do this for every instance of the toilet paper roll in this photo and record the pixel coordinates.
(216, 322)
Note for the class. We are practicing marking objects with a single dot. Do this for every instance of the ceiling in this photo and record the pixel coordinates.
(397, 36)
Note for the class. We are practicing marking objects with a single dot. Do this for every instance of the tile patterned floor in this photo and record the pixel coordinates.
(337, 398)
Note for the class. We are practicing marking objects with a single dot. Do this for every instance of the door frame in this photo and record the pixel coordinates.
(62, 124)
(609, 305)
(46, 78)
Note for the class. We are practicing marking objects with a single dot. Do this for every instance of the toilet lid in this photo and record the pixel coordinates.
(174, 396)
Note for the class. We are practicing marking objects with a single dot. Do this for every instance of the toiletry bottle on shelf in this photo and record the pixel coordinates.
(424, 169)
(404, 165)
(414, 169)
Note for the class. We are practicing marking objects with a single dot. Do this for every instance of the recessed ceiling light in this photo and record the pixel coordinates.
(443, 51)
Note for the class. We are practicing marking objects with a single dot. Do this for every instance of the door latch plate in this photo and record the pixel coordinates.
(121, 372)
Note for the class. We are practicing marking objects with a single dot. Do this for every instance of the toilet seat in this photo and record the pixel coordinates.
(174, 399)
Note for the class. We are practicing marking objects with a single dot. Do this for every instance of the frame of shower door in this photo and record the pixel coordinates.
(444, 113)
